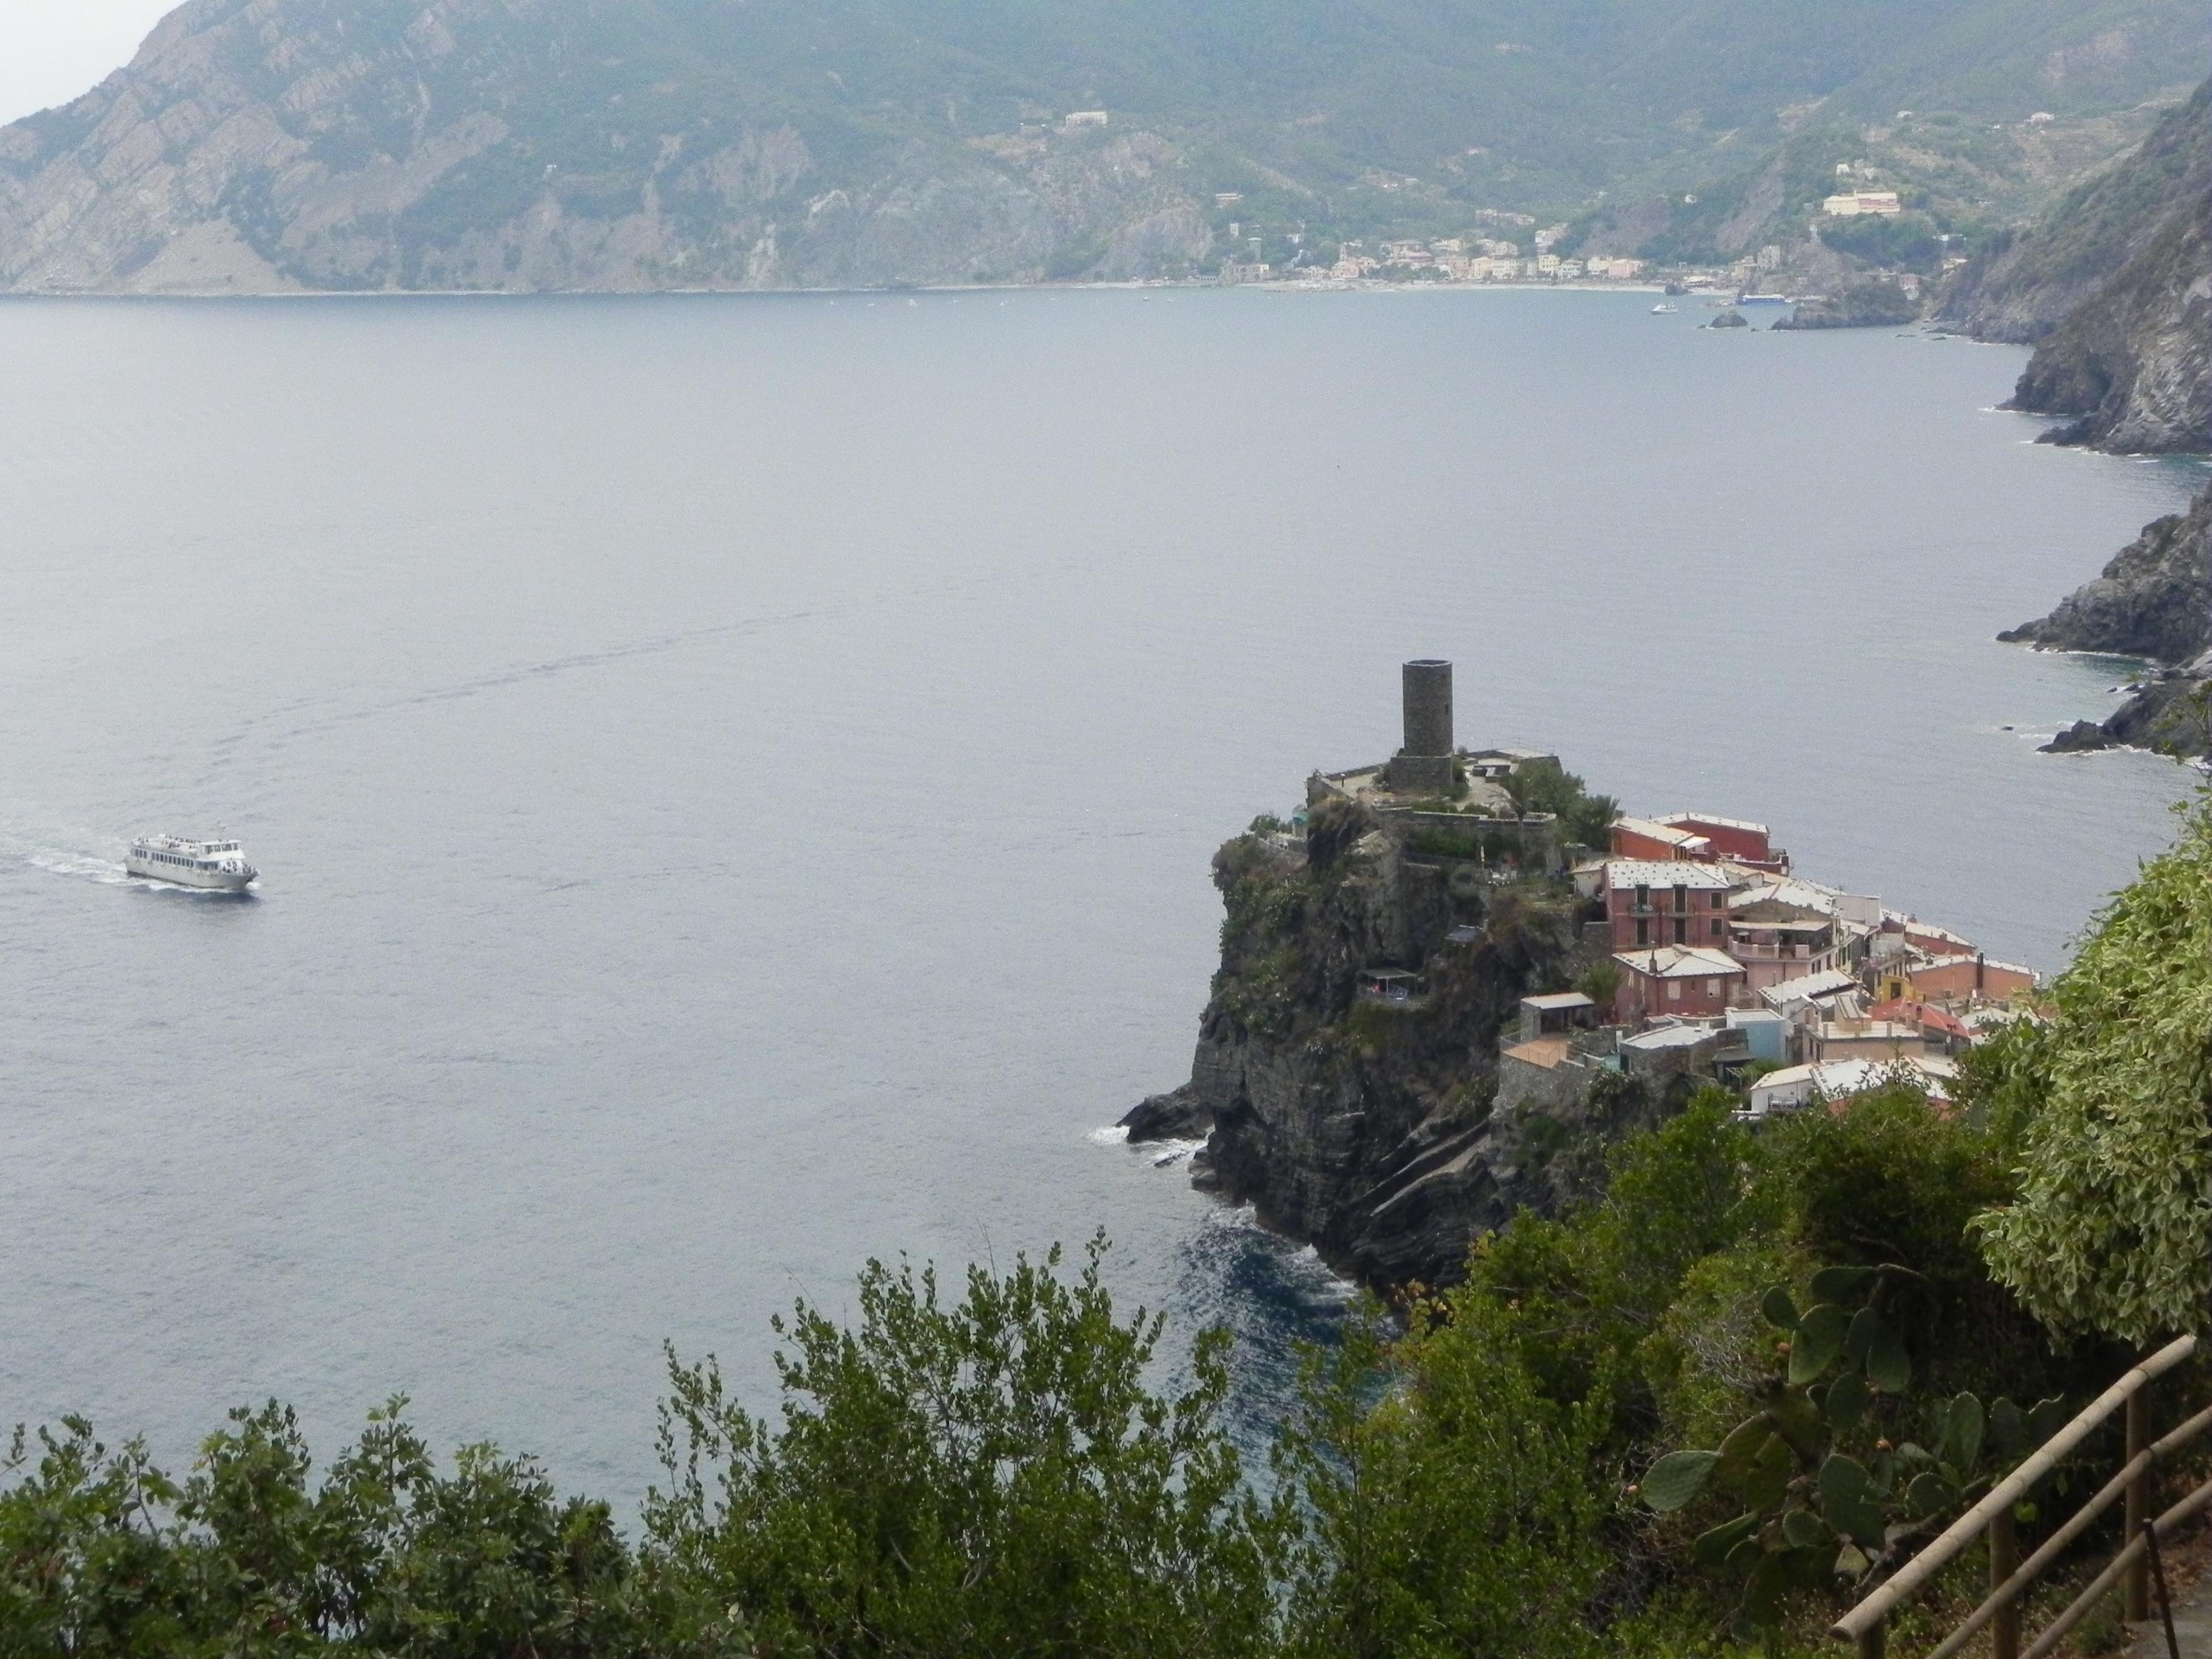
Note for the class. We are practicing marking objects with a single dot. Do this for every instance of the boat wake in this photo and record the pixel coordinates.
(37, 853)
(63, 861)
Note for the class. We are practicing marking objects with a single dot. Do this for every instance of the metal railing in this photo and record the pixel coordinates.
(1865, 1625)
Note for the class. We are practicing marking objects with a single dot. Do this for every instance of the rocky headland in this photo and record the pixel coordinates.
(1347, 1057)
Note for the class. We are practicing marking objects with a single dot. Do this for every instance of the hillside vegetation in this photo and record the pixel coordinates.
(261, 144)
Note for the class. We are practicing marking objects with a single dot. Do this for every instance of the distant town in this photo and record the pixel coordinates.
(1506, 247)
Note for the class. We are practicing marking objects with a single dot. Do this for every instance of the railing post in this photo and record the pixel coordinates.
(2138, 1576)
(1870, 1640)
(2004, 1561)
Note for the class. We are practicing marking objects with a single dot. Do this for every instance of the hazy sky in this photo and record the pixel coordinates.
(53, 50)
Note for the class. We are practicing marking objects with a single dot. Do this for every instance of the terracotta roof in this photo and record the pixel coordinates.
(1546, 1052)
(1919, 1013)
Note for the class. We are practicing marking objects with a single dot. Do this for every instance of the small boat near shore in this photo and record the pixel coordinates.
(1663, 309)
(218, 866)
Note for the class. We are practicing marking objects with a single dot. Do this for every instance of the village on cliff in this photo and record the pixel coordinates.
(1724, 962)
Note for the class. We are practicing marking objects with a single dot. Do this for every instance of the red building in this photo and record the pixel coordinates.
(1650, 903)
(1642, 838)
(1689, 982)
(1733, 839)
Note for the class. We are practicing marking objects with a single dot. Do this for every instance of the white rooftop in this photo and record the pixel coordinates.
(1660, 1037)
(1808, 987)
(1679, 961)
(1558, 999)
(1804, 893)
(1840, 1079)
(1675, 820)
(1663, 872)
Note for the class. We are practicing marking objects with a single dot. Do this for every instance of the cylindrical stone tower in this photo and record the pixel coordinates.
(1428, 706)
(1424, 766)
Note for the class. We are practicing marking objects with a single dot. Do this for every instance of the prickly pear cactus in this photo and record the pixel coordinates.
(1814, 1516)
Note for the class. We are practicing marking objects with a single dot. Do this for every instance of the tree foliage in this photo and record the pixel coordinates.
(102, 1553)
(989, 1477)
(2112, 1233)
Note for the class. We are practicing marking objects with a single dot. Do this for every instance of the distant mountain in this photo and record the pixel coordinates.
(261, 145)
(2024, 286)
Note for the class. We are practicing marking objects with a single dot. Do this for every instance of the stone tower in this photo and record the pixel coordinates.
(1424, 766)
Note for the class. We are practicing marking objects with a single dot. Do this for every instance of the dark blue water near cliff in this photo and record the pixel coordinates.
(735, 778)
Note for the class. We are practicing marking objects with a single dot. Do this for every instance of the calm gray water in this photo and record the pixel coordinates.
(735, 777)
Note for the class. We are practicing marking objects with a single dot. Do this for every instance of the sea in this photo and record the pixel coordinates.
(734, 777)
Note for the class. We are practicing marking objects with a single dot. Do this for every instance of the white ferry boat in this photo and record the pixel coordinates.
(217, 863)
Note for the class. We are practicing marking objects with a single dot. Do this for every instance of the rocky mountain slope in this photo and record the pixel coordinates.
(266, 145)
(2023, 287)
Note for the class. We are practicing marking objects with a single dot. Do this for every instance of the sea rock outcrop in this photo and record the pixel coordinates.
(1365, 1125)
(1879, 303)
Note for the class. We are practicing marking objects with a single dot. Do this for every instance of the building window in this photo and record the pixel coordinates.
(1681, 930)
(1682, 898)
(1712, 988)
(1674, 990)
(1643, 896)
(1720, 928)
(1642, 931)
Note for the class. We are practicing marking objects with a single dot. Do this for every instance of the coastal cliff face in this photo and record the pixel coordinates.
(2133, 364)
(2116, 287)
(1363, 1127)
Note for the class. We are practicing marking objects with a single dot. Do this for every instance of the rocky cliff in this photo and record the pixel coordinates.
(2154, 600)
(1365, 1126)
(2132, 364)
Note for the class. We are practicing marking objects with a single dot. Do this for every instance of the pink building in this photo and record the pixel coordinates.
(1650, 901)
(1690, 982)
